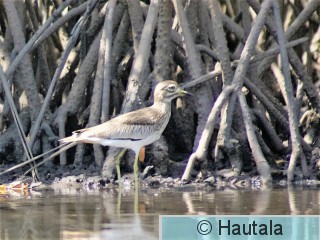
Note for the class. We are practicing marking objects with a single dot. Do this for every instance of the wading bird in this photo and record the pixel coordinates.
(133, 130)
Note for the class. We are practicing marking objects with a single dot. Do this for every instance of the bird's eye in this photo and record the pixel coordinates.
(172, 88)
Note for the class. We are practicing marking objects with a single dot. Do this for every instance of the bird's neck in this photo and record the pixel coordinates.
(162, 106)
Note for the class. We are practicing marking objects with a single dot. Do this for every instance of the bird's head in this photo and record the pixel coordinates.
(168, 90)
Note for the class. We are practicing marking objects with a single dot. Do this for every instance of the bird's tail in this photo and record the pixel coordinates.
(75, 137)
(70, 139)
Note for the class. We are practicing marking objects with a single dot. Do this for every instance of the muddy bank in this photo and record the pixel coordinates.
(89, 177)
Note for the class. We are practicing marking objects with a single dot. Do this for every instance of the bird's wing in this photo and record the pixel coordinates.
(133, 125)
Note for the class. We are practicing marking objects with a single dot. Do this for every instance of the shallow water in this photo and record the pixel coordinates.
(97, 214)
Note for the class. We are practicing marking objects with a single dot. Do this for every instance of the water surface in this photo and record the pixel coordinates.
(97, 214)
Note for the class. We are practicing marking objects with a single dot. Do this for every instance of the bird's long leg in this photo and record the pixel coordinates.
(136, 201)
(136, 171)
(118, 165)
(120, 155)
(136, 182)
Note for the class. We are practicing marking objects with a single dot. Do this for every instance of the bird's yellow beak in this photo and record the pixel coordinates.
(184, 92)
